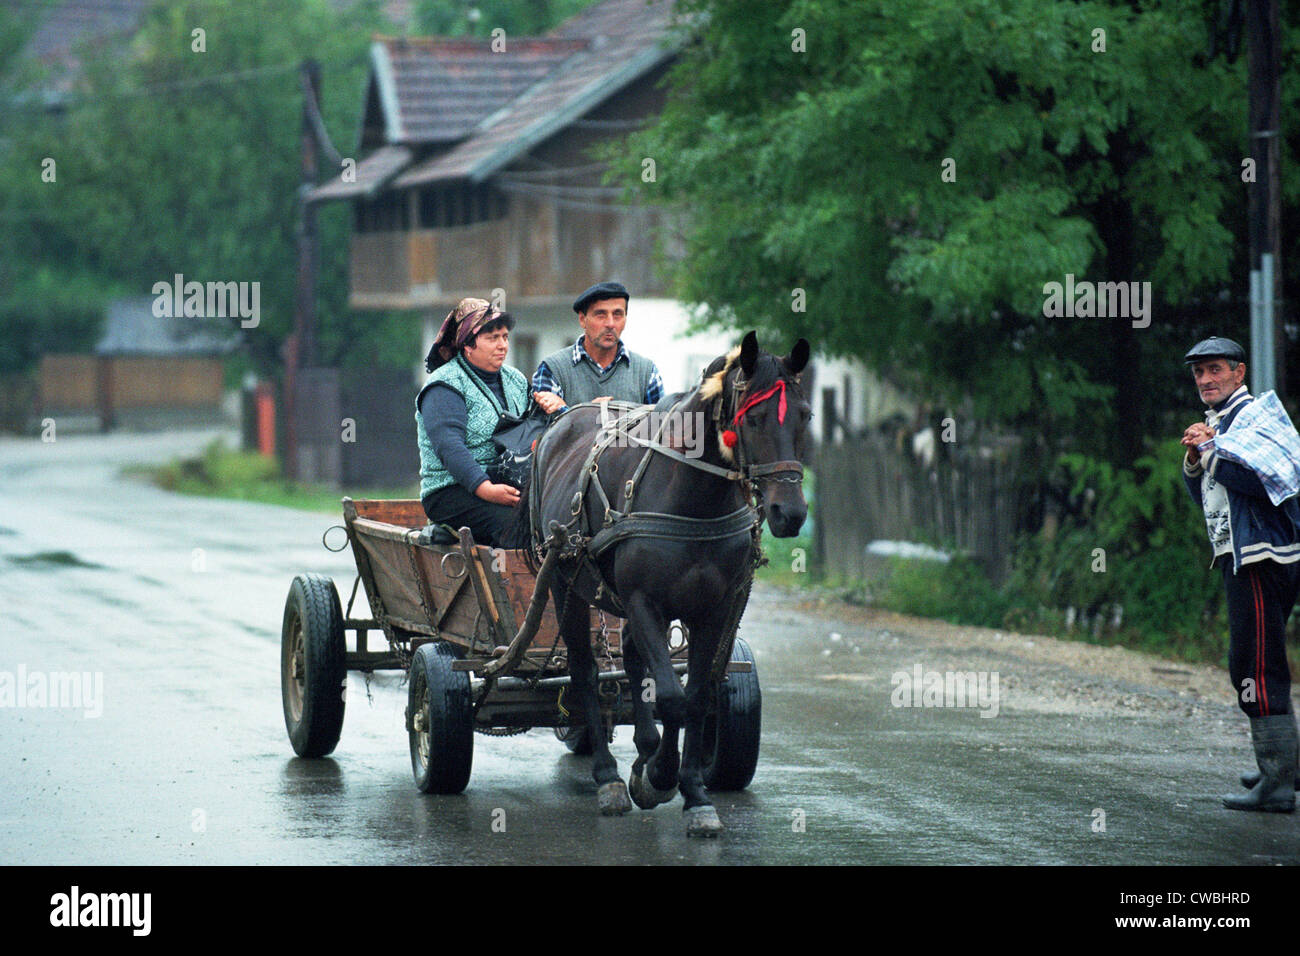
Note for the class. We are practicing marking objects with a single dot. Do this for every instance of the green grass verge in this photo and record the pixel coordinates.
(961, 593)
(223, 472)
(788, 561)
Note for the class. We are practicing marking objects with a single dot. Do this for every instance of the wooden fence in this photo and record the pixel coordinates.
(130, 390)
(867, 490)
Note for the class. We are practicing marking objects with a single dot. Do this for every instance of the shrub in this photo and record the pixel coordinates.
(1138, 542)
(957, 591)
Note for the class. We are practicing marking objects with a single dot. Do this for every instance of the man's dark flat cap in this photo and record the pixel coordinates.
(601, 290)
(1215, 347)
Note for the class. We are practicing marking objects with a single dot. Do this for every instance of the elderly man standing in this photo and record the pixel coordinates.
(1242, 467)
(597, 366)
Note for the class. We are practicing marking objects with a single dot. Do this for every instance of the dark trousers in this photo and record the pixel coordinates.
(489, 523)
(1260, 598)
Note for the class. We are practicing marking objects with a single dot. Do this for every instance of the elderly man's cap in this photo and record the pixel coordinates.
(601, 290)
(1215, 347)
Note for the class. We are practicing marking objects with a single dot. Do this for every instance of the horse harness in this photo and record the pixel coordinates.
(587, 545)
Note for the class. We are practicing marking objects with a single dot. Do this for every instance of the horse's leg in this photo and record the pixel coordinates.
(646, 734)
(649, 628)
(701, 818)
(575, 626)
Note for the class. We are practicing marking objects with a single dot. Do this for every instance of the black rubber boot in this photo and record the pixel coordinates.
(1275, 744)
(1251, 777)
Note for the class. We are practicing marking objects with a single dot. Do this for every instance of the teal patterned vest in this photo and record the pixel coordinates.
(482, 414)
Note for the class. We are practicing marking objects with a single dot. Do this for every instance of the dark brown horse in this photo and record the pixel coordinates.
(750, 421)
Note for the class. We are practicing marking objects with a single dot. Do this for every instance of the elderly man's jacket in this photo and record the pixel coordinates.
(1259, 530)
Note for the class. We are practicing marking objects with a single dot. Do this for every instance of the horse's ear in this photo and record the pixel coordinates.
(797, 360)
(749, 353)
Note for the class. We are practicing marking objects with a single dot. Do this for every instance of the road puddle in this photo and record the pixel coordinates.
(58, 559)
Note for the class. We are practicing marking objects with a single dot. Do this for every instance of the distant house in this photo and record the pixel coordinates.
(145, 372)
(477, 172)
(478, 169)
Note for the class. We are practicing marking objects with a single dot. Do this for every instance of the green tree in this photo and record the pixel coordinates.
(68, 302)
(922, 170)
(180, 154)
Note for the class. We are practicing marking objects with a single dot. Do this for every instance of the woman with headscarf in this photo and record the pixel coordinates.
(470, 387)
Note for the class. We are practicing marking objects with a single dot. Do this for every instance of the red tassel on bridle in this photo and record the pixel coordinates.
(761, 397)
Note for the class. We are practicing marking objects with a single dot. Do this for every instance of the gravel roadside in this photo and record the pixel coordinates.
(1047, 674)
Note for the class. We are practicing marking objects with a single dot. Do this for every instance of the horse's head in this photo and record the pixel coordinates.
(760, 420)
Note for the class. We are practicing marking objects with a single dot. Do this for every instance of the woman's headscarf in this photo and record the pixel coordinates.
(461, 324)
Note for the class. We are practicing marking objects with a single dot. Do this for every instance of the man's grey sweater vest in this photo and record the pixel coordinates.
(623, 381)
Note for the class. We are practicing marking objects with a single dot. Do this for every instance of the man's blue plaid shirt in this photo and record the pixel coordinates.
(544, 381)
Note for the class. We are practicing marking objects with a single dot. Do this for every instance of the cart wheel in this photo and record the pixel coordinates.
(731, 730)
(313, 666)
(440, 718)
(576, 738)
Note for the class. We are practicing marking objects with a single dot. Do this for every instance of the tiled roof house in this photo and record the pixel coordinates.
(476, 167)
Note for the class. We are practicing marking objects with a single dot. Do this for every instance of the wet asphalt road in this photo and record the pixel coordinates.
(177, 602)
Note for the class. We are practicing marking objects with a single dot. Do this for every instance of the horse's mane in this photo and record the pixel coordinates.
(716, 374)
(766, 372)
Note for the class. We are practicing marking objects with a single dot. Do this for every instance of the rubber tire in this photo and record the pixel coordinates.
(314, 602)
(577, 739)
(733, 728)
(451, 720)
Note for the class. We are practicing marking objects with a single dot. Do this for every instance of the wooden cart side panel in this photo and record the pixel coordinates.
(519, 581)
(390, 564)
(403, 573)
(405, 513)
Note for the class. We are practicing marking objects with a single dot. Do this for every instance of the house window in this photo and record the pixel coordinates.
(388, 213)
(459, 204)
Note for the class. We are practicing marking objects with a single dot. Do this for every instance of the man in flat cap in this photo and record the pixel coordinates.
(1242, 467)
(598, 365)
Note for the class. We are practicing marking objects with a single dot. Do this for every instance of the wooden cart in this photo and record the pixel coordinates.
(456, 617)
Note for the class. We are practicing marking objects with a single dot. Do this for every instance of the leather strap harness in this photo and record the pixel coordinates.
(587, 545)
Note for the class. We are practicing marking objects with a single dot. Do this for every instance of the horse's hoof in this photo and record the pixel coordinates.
(612, 799)
(702, 822)
(644, 794)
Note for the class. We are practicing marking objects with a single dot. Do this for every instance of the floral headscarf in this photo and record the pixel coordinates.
(460, 325)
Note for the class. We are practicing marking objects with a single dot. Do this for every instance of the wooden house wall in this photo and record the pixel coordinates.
(406, 254)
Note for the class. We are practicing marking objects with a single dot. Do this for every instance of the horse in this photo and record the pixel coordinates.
(683, 545)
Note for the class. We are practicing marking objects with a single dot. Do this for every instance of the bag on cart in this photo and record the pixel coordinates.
(515, 438)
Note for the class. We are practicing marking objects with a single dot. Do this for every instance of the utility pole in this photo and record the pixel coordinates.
(300, 349)
(1267, 339)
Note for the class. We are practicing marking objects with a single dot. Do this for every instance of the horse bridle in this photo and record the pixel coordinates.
(788, 471)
